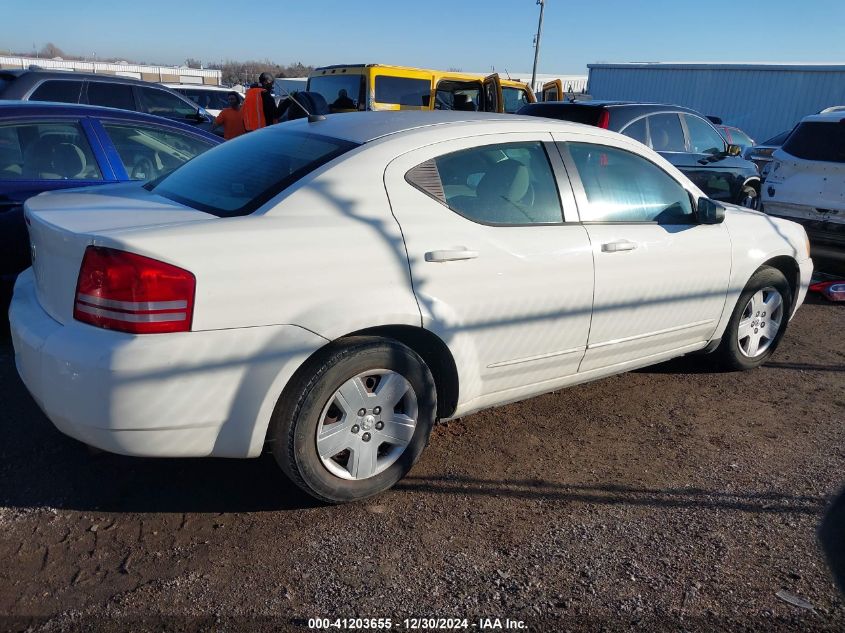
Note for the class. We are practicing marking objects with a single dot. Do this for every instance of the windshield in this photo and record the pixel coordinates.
(818, 140)
(341, 92)
(237, 177)
(738, 137)
(514, 99)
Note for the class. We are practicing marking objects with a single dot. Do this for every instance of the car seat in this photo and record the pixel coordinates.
(51, 158)
(504, 195)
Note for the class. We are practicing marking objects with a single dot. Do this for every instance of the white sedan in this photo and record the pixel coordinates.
(329, 289)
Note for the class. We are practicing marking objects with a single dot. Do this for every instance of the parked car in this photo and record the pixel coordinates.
(110, 91)
(682, 136)
(833, 109)
(47, 146)
(328, 288)
(211, 98)
(761, 155)
(735, 136)
(806, 182)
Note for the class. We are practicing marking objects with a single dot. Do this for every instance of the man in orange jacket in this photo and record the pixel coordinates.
(259, 108)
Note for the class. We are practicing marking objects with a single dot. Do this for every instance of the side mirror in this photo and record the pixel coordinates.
(709, 211)
(733, 150)
(201, 116)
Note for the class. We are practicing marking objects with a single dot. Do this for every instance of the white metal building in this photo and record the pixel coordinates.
(170, 74)
(762, 99)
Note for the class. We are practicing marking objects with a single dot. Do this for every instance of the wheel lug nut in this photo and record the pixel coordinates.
(379, 425)
(366, 437)
(377, 410)
(362, 413)
(755, 330)
(355, 428)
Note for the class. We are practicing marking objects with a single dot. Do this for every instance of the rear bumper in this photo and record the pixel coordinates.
(189, 394)
(821, 230)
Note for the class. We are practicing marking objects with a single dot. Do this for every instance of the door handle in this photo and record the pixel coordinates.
(620, 245)
(450, 255)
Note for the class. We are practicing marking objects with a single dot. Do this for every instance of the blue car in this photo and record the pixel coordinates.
(48, 146)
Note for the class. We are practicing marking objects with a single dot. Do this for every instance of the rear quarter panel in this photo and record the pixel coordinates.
(326, 255)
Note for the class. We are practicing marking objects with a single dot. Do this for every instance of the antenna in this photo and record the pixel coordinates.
(508, 74)
(312, 118)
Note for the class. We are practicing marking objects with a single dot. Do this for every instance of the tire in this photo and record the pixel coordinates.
(753, 320)
(313, 418)
(749, 197)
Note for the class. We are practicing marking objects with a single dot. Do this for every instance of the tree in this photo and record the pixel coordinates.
(50, 50)
(193, 63)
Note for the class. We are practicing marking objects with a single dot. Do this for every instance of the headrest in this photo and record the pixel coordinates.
(507, 179)
(68, 160)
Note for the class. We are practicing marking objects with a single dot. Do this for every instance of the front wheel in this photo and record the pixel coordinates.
(749, 197)
(355, 420)
(758, 321)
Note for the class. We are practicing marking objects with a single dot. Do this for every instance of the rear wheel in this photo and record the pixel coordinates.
(356, 421)
(758, 321)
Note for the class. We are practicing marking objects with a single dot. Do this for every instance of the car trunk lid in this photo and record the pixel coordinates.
(62, 225)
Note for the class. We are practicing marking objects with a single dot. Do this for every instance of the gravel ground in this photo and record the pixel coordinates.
(675, 498)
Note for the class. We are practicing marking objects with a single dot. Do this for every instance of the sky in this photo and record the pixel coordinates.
(470, 35)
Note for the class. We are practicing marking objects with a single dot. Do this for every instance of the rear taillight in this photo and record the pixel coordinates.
(132, 293)
(604, 120)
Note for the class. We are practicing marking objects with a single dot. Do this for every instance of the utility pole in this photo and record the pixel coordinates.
(542, 4)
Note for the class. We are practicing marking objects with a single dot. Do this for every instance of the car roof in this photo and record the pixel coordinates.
(197, 86)
(77, 75)
(12, 108)
(607, 103)
(830, 117)
(363, 127)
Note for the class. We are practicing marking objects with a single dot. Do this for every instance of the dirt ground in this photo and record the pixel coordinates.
(674, 498)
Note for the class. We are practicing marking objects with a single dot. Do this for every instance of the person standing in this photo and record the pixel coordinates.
(259, 109)
(231, 118)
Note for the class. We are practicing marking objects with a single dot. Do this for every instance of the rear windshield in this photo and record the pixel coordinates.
(568, 112)
(777, 140)
(240, 175)
(818, 140)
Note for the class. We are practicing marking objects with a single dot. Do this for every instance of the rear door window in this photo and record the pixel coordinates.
(166, 104)
(637, 131)
(111, 95)
(818, 140)
(507, 184)
(46, 151)
(403, 90)
(666, 133)
(61, 90)
(149, 151)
